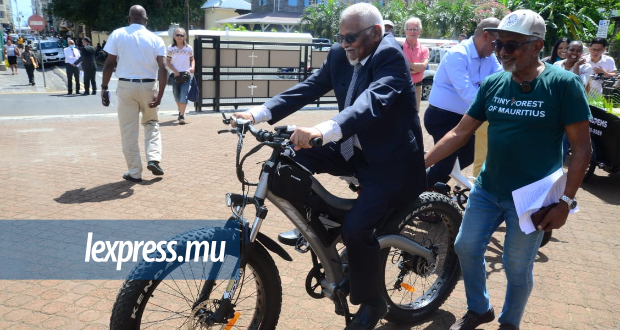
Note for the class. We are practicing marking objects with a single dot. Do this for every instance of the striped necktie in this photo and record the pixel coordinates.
(346, 147)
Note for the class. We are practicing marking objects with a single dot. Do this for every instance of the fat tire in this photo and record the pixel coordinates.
(430, 210)
(259, 261)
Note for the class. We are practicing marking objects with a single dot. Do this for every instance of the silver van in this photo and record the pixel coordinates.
(48, 51)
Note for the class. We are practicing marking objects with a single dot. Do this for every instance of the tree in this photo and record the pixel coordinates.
(107, 15)
(322, 20)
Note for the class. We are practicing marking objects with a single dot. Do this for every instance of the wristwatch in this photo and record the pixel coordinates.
(571, 202)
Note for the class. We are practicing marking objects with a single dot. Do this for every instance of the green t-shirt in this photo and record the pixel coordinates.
(526, 129)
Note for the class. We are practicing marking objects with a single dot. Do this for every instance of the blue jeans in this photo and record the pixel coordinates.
(180, 91)
(483, 215)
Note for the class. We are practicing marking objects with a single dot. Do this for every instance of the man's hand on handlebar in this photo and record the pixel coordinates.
(302, 136)
(241, 115)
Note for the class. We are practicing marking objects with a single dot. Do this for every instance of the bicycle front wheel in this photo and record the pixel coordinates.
(414, 286)
(174, 302)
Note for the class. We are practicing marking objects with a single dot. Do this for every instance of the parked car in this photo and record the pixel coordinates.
(48, 51)
(327, 42)
(427, 83)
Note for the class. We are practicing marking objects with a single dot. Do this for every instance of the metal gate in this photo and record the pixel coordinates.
(241, 73)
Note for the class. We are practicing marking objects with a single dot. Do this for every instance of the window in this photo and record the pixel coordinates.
(1, 13)
(292, 3)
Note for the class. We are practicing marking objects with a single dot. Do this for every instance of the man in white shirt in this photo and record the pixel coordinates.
(73, 72)
(140, 55)
(602, 65)
(455, 85)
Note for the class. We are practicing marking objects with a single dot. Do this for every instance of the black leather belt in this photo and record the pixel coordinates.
(137, 80)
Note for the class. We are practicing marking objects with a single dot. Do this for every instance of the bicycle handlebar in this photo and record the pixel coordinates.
(281, 134)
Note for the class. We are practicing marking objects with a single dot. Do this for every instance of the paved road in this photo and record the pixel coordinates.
(19, 99)
(70, 167)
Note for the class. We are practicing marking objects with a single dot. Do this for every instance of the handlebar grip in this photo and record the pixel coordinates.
(316, 142)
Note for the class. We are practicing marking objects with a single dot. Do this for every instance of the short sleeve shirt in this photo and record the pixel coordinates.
(415, 54)
(179, 58)
(137, 49)
(585, 71)
(606, 63)
(526, 129)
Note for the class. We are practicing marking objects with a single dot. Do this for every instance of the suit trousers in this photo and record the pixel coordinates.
(360, 222)
(438, 123)
(89, 79)
(73, 73)
(133, 100)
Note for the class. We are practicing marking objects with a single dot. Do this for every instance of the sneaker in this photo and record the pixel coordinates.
(181, 120)
(507, 327)
(471, 320)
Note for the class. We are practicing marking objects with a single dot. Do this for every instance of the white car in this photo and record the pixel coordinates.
(48, 51)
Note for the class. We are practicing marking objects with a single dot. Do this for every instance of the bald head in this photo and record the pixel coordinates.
(490, 22)
(137, 14)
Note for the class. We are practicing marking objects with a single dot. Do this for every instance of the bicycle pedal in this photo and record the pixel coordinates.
(302, 246)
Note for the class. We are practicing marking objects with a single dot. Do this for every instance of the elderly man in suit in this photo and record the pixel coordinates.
(376, 136)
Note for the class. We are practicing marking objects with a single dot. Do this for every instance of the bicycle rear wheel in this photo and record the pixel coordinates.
(414, 287)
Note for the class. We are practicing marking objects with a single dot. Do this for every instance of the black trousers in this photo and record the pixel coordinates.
(30, 72)
(438, 123)
(360, 222)
(73, 73)
(89, 79)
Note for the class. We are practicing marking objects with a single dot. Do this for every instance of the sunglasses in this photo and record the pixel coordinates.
(180, 35)
(350, 38)
(509, 47)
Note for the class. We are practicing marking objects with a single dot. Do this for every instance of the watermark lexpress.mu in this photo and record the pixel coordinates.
(126, 251)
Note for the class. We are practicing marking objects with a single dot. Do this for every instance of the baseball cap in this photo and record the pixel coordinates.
(522, 21)
(388, 22)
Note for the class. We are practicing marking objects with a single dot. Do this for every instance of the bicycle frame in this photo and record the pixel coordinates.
(334, 263)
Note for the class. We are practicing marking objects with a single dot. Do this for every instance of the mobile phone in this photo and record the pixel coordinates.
(106, 98)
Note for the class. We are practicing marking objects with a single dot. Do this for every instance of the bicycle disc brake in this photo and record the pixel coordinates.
(199, 317)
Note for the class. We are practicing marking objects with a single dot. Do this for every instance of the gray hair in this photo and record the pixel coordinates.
(413, 20)
(368, 15)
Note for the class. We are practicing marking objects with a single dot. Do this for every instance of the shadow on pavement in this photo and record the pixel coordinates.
(439, 320)
(107, 192)
(604, 186)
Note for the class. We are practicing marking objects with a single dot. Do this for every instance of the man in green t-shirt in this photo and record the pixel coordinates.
(528, 107)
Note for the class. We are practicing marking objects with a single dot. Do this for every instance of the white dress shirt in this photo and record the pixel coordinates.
(137, 49)
(71, 55)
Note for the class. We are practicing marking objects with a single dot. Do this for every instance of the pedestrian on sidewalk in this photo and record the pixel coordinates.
(529, 107)
(11, 52)
(89, 66)
(180, 60)
(73, 72)
(139, 58)
(30, 63)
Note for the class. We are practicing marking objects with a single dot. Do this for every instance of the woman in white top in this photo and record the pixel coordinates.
(180, 60)
(576, 63)
(11, 52)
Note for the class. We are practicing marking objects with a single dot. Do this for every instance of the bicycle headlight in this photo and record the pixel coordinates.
(228, 200)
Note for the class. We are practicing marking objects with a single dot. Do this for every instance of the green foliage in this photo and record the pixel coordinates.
(604, 103)
(450, 18)
(323, 20)
(107, 15)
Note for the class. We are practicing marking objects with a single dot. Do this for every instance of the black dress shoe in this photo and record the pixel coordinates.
(94, 93)
(155, 168)
(85, 93)
(367, 317)
(128, 177)
(289, 237)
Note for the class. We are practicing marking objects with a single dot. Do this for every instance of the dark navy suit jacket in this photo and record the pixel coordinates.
(383, 113)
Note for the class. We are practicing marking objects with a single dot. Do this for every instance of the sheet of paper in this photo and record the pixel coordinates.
(531, 198)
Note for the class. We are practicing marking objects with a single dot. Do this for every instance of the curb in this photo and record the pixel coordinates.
(60, 74)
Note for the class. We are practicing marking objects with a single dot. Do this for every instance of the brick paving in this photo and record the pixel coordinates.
(71, 168)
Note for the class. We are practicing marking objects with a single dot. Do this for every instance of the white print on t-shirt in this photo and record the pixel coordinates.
(515, 107)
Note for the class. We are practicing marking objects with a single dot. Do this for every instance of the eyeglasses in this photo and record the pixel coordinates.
(350, 38)
(597, 50)
(509, 47)
(413, 30)
(180, 35)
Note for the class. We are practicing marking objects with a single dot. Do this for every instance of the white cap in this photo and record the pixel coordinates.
(388, 22)
(522, 21)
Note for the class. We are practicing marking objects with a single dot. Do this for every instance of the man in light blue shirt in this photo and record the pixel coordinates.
(455, 85)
